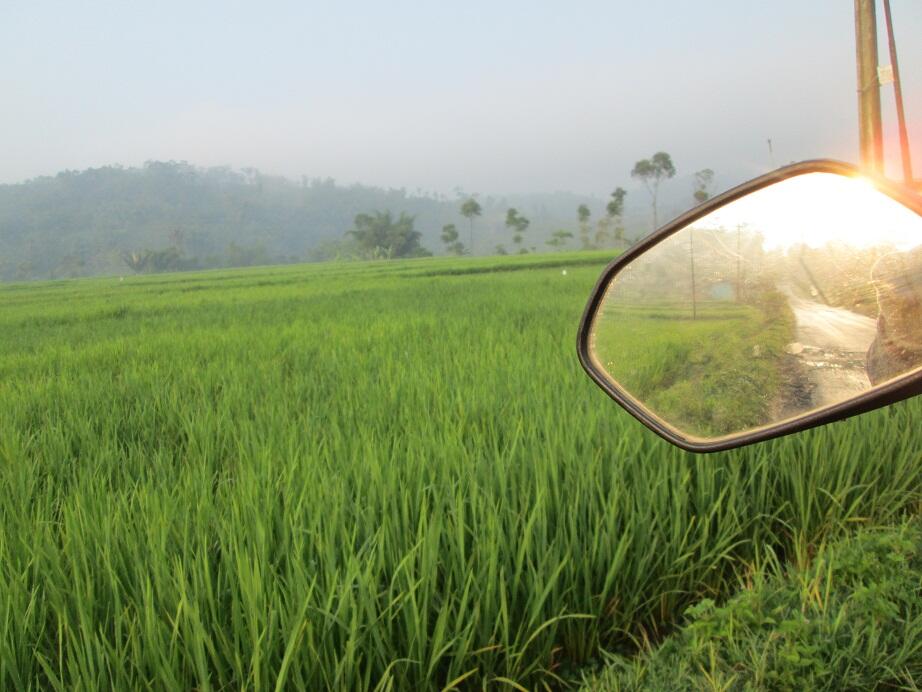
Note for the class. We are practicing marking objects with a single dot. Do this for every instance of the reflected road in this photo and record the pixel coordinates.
(832, 343)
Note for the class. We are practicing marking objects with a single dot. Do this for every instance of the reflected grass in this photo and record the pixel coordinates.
(713, 374)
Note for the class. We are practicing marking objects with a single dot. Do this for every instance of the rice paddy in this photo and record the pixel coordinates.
(381, 476)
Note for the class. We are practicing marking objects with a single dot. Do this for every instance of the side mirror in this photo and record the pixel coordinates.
(788, 302)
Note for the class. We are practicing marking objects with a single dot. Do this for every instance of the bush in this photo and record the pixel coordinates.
(852, 619)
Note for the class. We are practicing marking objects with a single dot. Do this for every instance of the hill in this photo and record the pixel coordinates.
(84, 223)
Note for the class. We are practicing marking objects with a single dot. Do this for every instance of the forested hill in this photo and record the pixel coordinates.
(90, 222)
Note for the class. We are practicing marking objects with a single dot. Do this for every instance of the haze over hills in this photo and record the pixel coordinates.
(91, 222)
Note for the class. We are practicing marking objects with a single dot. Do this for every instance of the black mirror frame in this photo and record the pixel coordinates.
(900, 388)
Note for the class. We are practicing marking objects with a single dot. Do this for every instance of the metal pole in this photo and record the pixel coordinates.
(898, 95)
(870, 132)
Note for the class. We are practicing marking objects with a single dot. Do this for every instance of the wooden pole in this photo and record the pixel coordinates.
(691, 248)
(739, 265)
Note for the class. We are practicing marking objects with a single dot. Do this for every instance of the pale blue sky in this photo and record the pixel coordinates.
(489, 96)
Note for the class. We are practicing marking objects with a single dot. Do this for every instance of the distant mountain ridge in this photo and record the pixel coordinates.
(82, 223)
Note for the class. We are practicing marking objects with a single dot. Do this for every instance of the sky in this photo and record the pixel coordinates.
(491, 97)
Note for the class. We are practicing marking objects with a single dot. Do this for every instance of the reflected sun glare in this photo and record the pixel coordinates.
(818, 208)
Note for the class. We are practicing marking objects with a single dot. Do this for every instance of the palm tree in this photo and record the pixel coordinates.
(469, 209)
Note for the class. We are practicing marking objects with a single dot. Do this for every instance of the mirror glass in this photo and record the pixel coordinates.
(799, 296)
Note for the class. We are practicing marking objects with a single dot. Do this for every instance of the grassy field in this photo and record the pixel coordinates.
(369, 476)
(718, 374)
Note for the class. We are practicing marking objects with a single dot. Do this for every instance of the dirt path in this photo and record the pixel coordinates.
(831, 344)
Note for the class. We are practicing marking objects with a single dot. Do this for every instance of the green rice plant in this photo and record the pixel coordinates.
(388, 475)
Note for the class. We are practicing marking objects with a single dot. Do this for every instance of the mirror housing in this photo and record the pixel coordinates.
(619, 296)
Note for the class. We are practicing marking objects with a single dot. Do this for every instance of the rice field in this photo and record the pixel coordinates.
(369, 477)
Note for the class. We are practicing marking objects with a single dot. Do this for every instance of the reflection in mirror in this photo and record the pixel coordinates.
(794, 298)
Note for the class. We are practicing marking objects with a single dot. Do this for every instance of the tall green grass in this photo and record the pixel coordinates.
(381, 476)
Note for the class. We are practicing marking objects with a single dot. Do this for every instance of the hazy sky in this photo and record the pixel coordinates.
(488, 96)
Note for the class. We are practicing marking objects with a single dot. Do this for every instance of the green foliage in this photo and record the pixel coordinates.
(583, 215)
(609, 228)
(515, 221)
(80, 223)
(339, 250)
(385, 474)
(154, 261)
(851, 619)
(379, 236)
(449, 233)
(615, 211)
(652, 172)
(518, 224)
(654, 169)
(703, 180)
(450, 238)
(471, 208)
(83, 223)
(559, 238)
(603, 232)
(615, 206)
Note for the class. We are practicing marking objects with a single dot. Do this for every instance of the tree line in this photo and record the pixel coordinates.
(609, 230)
(172, 216)
(380, 235)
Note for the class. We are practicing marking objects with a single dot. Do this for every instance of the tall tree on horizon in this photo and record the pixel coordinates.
(583, 215)
(380, 236)
(470, 209)
(652, 172)
(518, 224)
(615, 211)
(450, 238)
(701, 193)
(703, 180)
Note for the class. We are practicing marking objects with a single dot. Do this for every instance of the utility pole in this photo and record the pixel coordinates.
(898, 95)
(691, 247)
(739, 263)
(870, 131)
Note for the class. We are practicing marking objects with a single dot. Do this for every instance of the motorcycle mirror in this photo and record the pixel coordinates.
(788, 302)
